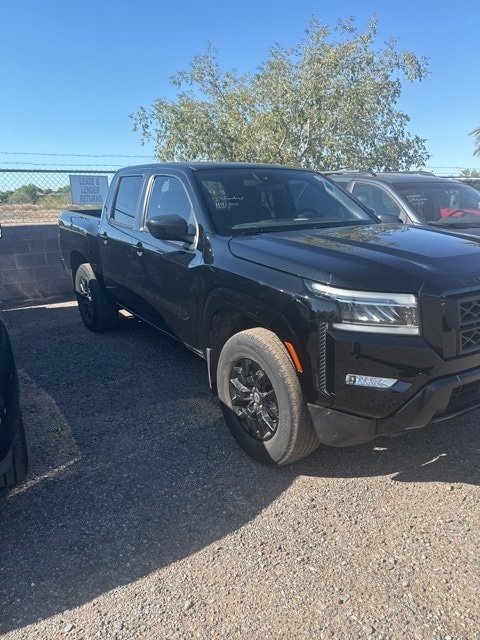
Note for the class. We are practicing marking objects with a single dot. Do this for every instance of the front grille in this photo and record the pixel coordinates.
(468, 324)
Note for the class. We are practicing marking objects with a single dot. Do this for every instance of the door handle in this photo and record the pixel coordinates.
(139, 248)
(104, 237)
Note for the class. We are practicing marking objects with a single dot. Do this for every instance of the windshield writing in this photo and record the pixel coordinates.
(248, 199)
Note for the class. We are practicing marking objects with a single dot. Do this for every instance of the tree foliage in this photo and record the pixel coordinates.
(31, 194)
(329, 102)
(470, 173)
(23, 195)
(472, 177)
(4, 196)
(476, 133)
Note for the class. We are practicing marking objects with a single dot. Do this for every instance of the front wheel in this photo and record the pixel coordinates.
(97, 311)
(262, 400)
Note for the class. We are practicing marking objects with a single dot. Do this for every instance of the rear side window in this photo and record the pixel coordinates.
(342, 183)
(375, 198)
(126, 200)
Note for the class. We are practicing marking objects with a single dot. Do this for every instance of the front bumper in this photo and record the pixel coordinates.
(439, 400)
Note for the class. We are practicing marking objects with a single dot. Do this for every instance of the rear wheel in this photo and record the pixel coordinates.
(97, 311)
(19, 465)
(262, 400)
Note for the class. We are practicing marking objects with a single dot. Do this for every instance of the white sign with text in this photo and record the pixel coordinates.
(88, 189)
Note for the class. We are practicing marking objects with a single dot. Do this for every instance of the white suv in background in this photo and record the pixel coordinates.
(415, 197)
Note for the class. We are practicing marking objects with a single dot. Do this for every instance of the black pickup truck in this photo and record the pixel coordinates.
(318, 322)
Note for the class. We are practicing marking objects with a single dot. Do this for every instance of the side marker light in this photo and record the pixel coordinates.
(294, 357)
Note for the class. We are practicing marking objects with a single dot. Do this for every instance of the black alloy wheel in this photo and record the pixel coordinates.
(85, 300)
(98, 312)
(253, 399)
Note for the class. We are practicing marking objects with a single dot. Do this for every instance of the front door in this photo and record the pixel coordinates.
(169, 273)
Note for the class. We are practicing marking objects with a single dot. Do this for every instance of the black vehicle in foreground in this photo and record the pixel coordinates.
(416, 198)
(13, 446)
(318, 323)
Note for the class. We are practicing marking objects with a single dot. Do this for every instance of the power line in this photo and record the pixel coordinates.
(452, 167)
(70, 155)
(44, 165)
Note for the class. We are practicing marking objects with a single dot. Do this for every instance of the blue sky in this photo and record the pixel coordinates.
(71, 73)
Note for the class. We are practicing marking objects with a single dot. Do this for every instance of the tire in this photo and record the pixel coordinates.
(19, 465)
(97, 311)
(262, 400)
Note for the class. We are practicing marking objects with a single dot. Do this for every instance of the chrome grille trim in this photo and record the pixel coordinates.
(322, 359)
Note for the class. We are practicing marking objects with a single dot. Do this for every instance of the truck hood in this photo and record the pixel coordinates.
(380, 257)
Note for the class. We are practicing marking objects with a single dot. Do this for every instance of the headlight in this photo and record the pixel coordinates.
(370, 311)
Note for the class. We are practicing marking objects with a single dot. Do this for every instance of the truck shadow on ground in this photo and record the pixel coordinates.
(134, 469)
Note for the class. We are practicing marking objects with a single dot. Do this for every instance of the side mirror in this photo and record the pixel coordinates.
(171, 227)
(389, 217)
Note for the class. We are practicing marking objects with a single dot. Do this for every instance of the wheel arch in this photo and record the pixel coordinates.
(76, 259)
(228, 312)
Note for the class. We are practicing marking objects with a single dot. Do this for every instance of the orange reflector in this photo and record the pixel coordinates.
(294, 357)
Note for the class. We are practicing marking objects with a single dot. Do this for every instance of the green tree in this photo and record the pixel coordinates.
(472, 177)
(323, 104)
(4, 196)
(50, 199)
(476, 133)
(470, 173)
(28, 194)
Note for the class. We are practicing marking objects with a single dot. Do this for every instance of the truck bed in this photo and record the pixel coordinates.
(96, 213)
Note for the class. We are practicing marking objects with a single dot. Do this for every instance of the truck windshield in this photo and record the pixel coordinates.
(441, 202)
(248, 200)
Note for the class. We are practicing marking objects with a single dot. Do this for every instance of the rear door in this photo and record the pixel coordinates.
(116, 239)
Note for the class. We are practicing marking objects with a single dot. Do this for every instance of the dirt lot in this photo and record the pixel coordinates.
(143, 519)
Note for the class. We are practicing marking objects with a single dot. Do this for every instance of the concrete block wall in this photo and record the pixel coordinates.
(30, 263)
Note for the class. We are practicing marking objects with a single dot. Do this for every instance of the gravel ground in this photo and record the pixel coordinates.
(142, 518)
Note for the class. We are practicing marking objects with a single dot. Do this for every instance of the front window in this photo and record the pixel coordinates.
(441, 201)
(168, 197)
(246, 200)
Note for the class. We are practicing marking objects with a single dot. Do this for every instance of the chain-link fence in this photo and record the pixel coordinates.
(38, 195)
(31, 195)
